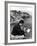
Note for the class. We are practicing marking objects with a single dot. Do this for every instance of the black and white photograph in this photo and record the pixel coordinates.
(20, 25)
(20, 22)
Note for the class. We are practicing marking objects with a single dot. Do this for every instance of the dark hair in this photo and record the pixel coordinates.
(21, 21)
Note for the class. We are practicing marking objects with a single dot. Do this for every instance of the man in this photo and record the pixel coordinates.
(17, 29)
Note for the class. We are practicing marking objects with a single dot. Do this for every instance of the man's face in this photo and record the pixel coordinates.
(20, 24)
